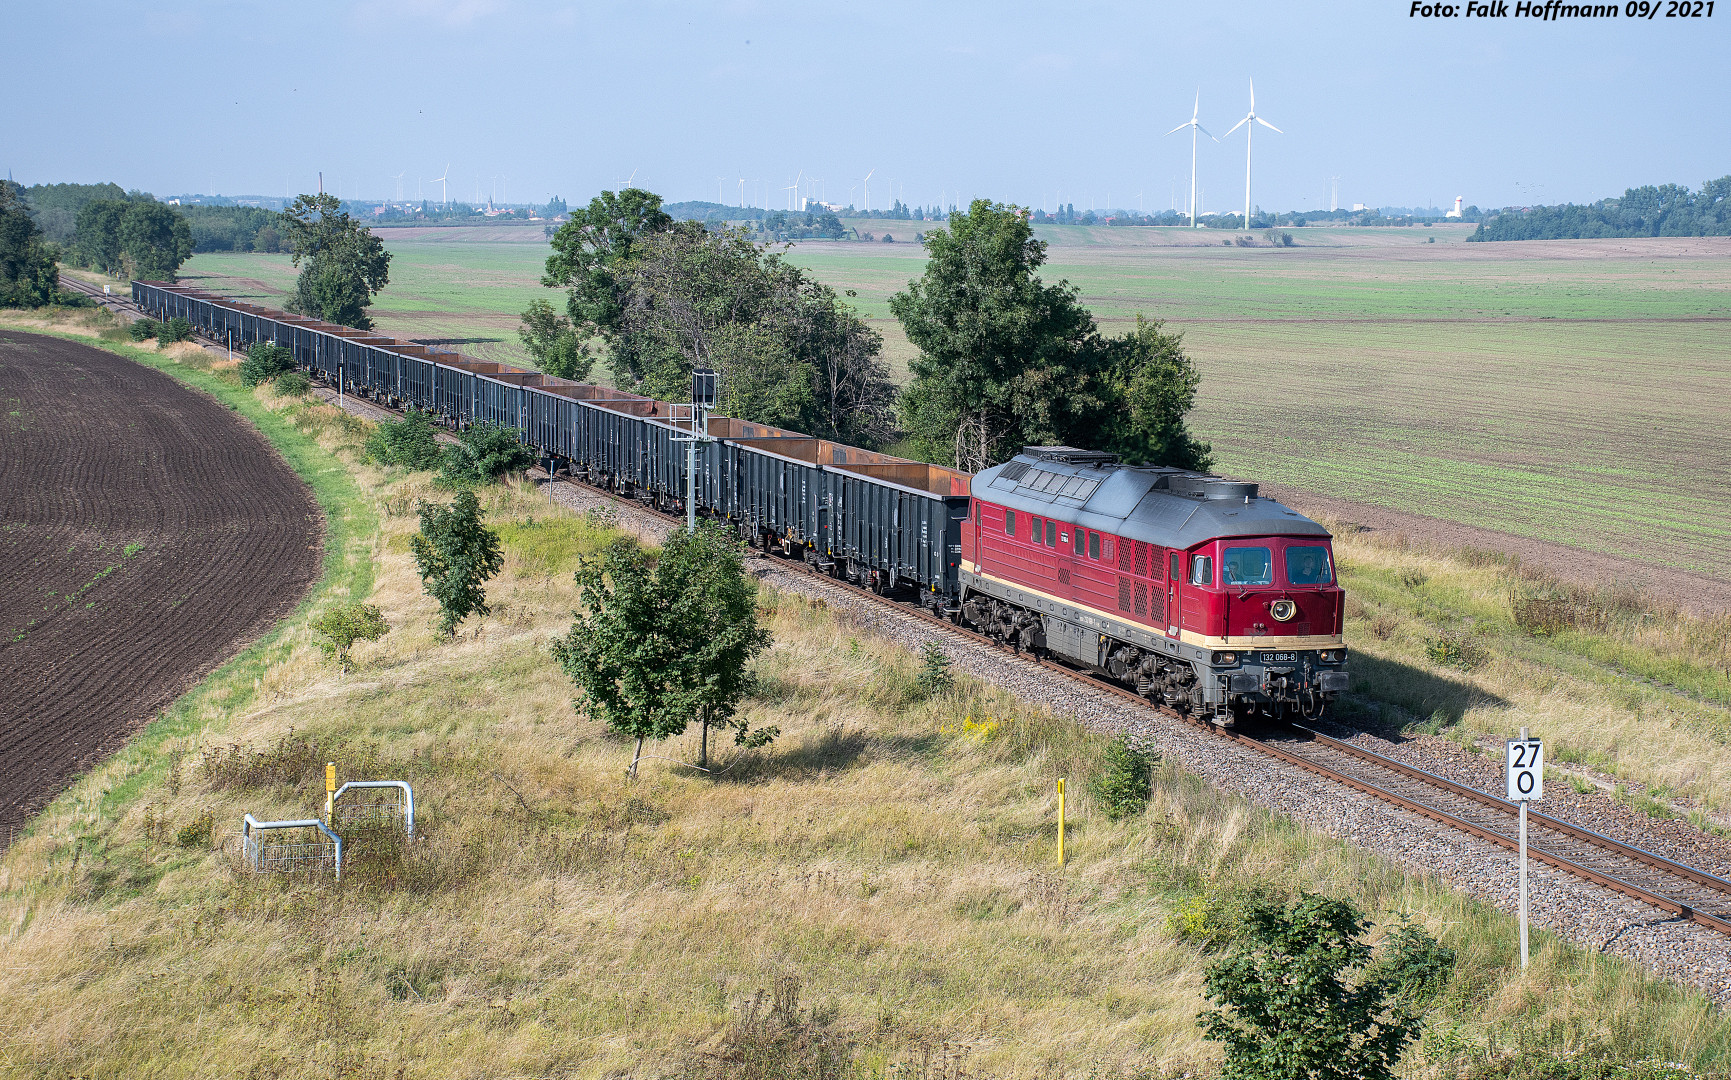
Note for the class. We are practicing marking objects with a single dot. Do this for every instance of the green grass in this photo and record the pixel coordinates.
(1568, 393)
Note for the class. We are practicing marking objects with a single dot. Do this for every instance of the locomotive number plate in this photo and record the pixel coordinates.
(1278, 657)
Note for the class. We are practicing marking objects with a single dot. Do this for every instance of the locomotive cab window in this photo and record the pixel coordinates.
(1034, 530)
(1247, 566)
(1307, 564)
(1201, 569)
(1051, 533)
(1177, 573)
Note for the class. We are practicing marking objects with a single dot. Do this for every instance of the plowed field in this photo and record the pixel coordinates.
(146, 534)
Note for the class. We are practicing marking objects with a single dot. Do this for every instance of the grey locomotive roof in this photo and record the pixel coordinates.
(1169, 507)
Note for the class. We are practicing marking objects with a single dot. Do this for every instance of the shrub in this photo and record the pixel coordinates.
(264, 362)
(293, 384)
(1122, 784)
(409, 442)
(1301, 995)
(483, 453)
(345, 624)
(197, 833)
(291, 762)
(143, 329)
(1457, 648)
(175, 329)
(935, 676)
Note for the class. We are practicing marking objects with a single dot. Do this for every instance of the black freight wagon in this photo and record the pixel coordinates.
(881, 521)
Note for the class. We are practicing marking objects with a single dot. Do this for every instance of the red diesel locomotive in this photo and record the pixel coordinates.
(1191, 589)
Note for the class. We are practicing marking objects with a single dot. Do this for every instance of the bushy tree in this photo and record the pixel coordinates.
(1150, 386)
(174, 330)
(1007, 360)
(591, 249)
(670, 296)
(456, 553)
(1000, 350)
(666, 640)
(483, 453)
(155, 239)
(1302, 996)
(552, 341)
(411, 442)
(136, 236)
(28, 275)
(264, 362)
(342, 626)
(343, 265)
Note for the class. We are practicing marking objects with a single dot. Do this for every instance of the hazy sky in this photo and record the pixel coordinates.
(1021, 102)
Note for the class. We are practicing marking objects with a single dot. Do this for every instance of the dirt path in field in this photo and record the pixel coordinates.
(1698, 593)
(146, 534)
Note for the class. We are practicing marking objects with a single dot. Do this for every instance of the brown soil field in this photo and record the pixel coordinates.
(146, 534)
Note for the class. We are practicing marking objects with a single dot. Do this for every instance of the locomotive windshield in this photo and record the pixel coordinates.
(1247, 566)
(1308, 565)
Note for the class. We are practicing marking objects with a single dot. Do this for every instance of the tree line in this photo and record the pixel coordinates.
(1666, 210)
(1006, 359)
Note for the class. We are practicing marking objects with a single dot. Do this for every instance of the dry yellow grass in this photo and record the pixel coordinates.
(1641, 700)
(893, 850)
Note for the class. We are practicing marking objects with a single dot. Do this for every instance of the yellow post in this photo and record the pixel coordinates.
(330, 789)
(1060, 821)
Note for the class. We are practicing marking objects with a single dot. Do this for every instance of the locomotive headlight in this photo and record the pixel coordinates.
(1283, 610)
(1226, 658)
(1329, 656)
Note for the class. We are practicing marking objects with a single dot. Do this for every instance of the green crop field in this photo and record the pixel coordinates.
(1577, 392)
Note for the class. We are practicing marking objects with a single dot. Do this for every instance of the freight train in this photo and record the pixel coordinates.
(1194, 590)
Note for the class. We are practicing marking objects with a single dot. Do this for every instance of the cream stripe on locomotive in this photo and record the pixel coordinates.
(1188, 637)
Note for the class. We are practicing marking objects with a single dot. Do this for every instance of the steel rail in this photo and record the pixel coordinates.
(1598, 877)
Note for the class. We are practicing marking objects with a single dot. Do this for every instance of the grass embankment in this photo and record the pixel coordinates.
(890, 857)
(1626, 691)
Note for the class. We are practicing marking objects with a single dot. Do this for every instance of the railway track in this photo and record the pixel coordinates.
(1680, 890)
(1683, 891)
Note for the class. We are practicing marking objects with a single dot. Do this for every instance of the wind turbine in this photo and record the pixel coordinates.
(1195, 111)
(1334, 194)
(444, 196)
(1251, 119)
(867, 181)
(719, 200)
(399, 179)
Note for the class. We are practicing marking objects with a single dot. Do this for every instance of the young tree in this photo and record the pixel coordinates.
(342, 626)
(1302, 997)
(483, 453)
(28, 276)
(663, 642)
(1002, 354)
(552, 341)
(456, 553)
(345, 264)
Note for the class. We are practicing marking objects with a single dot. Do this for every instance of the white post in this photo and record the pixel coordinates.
(1523, 881)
